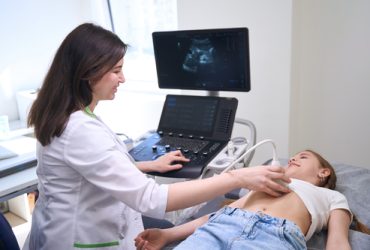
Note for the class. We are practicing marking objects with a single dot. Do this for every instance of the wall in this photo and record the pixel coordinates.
(309, 62)
(310, 73)
(30, 32)
(269, 23)
(330, 108)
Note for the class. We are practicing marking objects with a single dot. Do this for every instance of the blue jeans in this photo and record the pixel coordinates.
(234, 228)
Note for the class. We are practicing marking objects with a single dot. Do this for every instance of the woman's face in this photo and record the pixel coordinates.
(305, 166)
(106, 87)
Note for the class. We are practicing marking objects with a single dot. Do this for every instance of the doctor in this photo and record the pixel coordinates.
(91, 192)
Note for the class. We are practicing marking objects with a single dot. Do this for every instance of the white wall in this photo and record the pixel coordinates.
(30, 32)
(310, 71)
(331, 79)
(269, 23)
(309, 62)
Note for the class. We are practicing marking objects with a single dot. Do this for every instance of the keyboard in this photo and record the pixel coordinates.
(183, 143)
(199, 150)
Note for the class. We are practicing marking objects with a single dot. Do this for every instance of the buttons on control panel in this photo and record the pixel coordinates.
(198, 149)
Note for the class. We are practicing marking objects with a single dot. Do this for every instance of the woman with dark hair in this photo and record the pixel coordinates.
(261, 221)
(91, 192)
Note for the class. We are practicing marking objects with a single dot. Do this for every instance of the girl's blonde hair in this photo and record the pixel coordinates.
(330, 181)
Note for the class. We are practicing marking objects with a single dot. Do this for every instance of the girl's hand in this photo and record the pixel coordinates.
(150, 239)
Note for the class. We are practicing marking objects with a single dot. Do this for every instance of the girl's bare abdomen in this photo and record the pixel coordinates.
(288, 206)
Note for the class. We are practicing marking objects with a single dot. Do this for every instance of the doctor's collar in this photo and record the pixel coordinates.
(89, 112)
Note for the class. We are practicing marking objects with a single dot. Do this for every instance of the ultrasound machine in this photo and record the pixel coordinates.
(211, 60)
(199, 126)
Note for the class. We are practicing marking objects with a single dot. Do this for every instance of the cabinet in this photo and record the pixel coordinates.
(15, 187)
(14, 191)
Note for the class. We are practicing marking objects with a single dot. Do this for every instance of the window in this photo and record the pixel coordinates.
(134, 21)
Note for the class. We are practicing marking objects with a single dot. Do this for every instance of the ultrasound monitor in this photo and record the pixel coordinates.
(212, 59)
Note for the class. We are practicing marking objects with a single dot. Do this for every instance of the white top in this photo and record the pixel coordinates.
(91, 192)
(319, 202)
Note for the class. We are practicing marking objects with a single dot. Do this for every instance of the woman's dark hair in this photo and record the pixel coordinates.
(85, 55)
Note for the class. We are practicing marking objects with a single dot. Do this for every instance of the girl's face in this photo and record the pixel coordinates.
(305, 166)
(106, 87)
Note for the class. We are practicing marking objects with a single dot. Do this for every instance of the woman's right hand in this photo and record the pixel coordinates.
(150, 239)
(269, 179)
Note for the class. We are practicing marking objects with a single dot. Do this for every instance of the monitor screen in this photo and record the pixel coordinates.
(189, 114)
(212, 60)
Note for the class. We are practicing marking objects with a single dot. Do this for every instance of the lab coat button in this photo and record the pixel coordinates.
(121, 236)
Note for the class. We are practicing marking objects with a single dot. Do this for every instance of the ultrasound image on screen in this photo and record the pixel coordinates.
(201, 53)
(196, 116)
(216, 60)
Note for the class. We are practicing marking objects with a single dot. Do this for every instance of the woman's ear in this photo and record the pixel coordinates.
(324, 172)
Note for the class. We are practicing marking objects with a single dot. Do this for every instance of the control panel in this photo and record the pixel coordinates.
(200, 150)
(232, 151)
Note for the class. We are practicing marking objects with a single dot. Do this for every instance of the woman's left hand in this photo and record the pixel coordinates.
(170, 161)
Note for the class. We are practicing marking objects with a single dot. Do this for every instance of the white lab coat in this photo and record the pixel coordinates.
(90, 191)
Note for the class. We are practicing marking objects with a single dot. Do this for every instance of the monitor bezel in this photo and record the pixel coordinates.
(194, 32)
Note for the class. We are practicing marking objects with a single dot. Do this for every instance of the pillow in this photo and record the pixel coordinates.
(354, 183)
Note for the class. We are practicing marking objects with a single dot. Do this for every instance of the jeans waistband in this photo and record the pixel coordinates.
(255, 215)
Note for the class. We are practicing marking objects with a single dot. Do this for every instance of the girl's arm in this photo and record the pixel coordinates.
(155, 239)
(338, 227)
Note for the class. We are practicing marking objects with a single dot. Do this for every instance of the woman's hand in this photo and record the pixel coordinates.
(150, 239)
(170, 161)
(269, 179)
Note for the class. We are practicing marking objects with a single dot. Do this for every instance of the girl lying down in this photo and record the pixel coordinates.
(261, 221)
